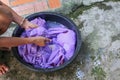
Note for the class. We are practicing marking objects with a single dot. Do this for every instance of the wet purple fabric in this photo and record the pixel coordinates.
(55, 53)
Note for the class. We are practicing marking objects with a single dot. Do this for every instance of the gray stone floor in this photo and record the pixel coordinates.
(99, 57)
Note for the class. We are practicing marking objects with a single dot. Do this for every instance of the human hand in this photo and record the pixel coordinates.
(26, 24)
(40, 41)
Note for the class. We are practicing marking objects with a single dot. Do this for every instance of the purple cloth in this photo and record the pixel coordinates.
(55, 53)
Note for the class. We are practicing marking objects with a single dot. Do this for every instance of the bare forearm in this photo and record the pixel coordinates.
(14, 41)
(16, 17)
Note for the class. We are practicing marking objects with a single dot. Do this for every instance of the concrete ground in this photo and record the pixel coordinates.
(99, 57)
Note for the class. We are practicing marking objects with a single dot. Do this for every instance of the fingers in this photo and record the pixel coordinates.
(33, 26)
(28, 25)
(47, 40)
(26, 28)
(40, 41)
(3, 69)
(44, 41)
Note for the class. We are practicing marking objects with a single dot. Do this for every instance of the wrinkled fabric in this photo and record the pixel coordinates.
(55, 53)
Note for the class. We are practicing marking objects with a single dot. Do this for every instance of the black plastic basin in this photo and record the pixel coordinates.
(51, 16)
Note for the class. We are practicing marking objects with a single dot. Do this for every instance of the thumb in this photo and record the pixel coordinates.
(47, 40)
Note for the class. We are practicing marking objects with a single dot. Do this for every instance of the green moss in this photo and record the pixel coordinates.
(76, 11)
(117, 37)
(98, 73)
(102, 6)
(92, 58)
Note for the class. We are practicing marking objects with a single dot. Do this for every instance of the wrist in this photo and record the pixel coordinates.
(18, 19)
(22, 22)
